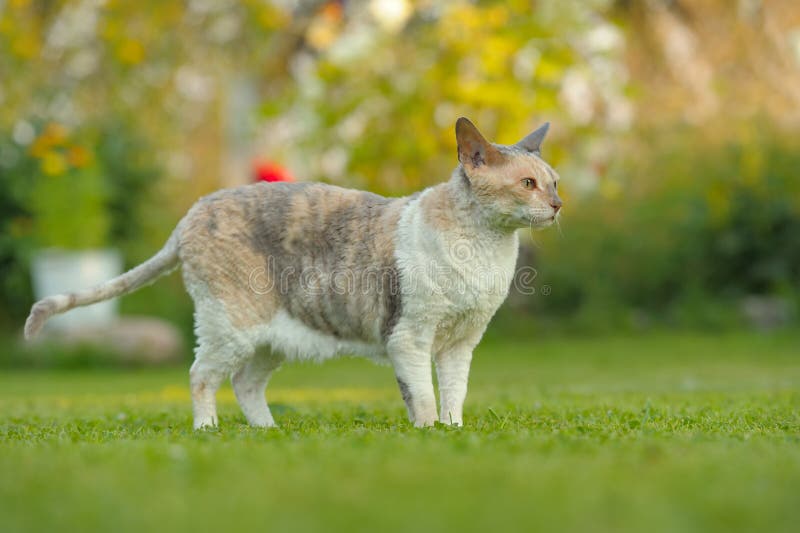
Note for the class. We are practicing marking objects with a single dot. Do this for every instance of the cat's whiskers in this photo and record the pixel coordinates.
(530, 231)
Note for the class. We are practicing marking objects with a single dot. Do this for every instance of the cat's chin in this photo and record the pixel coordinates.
(541, 223)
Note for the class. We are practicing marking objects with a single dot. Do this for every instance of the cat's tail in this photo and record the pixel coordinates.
(162, 263)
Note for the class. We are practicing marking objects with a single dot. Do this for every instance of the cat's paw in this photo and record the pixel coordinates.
(425, 422)
(202, 424)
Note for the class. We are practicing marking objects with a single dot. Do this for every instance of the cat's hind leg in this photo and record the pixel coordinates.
(230, 286)
(249, 384)
(221, 351)
(205, 379)
(213, 363)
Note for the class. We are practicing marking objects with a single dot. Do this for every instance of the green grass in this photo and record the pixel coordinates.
(665, 433)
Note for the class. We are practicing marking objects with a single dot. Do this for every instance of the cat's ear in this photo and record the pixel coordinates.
(533, 142)
(473, 150)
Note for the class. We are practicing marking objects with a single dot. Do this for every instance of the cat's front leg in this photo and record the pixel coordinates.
(452, 370)
(411, 358)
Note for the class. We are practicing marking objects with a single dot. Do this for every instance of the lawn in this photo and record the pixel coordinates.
(659, 433)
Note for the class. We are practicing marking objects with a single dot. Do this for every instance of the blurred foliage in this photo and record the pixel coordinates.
(379, 104)
(64, 193)
(56, 355)
(119, 115)
(68, 193)
(15, 242)
(129, 173)
(696, 224)
(698, 61)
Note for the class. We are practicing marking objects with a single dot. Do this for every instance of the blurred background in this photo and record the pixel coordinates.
(674, 127)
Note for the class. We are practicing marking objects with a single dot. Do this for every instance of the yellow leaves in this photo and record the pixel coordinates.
(466, 25)
(54, 134)
(550, 70)
(326, 26)
(6, 26)
(21, 30)
(496, 17)
(56, 162)
(496, 56)
(130, 52)
(53, 163)
(460, 27)
(321, 35)
(466, 16)
(110, 29)
(332, 11)
(25, 46)
(272, 18)
(498, 95)
(39, 148)
(55, 157)
(79, 157)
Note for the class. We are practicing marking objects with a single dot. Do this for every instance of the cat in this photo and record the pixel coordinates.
(308, 271)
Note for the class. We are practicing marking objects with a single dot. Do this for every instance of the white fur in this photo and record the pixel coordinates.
(448, 299)
(299, 342)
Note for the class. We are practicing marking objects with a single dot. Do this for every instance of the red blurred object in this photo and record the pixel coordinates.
(333, 11)
(270, 172)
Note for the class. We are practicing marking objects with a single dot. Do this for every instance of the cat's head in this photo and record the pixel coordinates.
(514, 185)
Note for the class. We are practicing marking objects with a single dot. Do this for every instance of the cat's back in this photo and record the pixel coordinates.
(289, 216)
(299, 242)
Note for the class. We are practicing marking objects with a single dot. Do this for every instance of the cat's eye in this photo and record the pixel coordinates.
(529, 183)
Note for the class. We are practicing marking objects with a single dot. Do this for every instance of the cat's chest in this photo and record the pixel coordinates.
(482, 282)
(450, 276)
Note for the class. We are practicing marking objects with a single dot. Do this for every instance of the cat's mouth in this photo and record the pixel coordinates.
(540, 218)
(541, 222)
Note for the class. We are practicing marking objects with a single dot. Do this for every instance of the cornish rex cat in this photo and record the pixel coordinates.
(287, 271)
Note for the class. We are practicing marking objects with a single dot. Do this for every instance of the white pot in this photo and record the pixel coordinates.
(59, 271)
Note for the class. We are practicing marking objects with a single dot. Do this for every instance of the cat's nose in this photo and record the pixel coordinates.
(556, 205)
